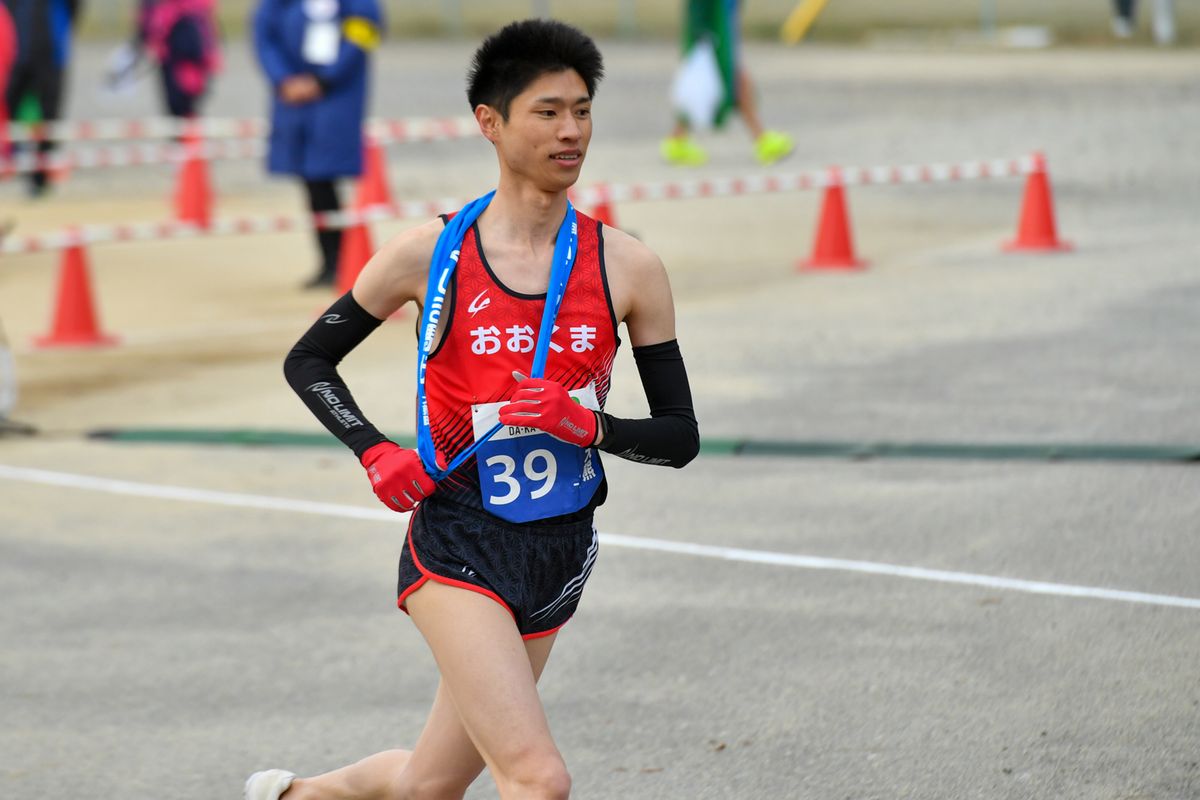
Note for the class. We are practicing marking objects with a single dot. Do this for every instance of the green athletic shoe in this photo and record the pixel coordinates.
(773, 146)
(682, 151)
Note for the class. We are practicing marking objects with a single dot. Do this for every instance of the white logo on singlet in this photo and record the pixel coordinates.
(477, 306)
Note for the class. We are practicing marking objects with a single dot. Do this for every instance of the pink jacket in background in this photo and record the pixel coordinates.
(7, 55)
(8, 52)
(157, 19)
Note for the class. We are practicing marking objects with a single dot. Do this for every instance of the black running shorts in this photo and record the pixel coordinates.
(537, 572)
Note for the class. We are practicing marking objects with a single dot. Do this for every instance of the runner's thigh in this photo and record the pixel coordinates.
(486, 670)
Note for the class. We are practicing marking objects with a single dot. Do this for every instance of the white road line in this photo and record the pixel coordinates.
(162, 492)
(916, 573)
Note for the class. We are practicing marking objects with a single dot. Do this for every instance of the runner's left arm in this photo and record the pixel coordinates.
(670, 436)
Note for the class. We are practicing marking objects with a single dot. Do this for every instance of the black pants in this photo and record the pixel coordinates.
(1125, 8)
(179, 103)
(185, 45)
(323, 197)
(42, 79)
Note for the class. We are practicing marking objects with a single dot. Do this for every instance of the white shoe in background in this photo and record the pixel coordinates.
(1164, 22)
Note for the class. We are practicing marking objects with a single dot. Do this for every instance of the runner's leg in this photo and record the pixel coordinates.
(487, 671)
(443, 764)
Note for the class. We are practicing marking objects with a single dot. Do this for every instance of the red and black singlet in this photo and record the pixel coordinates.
(489, 331)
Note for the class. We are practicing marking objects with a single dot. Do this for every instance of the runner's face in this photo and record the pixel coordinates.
(548, 129)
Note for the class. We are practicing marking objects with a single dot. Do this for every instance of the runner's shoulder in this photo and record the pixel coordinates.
(399, 270)
(404, 259)
(410, 250)
(626, 256)
(639, 287)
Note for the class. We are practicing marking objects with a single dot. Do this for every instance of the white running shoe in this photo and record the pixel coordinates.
(268, 784)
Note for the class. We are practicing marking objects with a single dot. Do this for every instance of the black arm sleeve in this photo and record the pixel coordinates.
(671, 436)
(311, 371)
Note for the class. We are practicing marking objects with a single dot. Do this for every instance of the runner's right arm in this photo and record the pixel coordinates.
(394, 276)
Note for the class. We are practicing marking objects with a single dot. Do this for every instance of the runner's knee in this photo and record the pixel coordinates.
(536, 777)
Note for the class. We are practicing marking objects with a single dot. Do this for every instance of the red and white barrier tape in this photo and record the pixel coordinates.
(590, 196)
(135, 155)
(811, 179)
(84, 235)
(412, 129)
(154, 153)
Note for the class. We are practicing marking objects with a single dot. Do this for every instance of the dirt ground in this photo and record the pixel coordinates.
(163, 644)
(186, 311)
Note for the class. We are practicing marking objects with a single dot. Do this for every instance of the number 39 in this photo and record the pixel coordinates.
(508, 466)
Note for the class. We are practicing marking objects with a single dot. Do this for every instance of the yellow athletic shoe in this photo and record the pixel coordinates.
(682, 151)
(773, 146)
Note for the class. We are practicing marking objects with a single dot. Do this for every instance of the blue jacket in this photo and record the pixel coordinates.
(43, 31)
(321, 139)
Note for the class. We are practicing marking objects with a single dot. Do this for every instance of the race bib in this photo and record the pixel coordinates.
(321, 34)
(321, 40)
(526, 474)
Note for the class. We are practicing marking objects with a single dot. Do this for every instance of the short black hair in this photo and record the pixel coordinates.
(521, 52)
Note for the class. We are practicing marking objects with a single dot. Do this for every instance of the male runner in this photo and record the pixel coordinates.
(520, 311)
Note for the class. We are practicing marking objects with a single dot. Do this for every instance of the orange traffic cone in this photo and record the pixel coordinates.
(75, 322)
(1036, 231)
(603, 210)
(193, 191)
(5, 136)
(834, 246)
(355, 252)
(373, 187)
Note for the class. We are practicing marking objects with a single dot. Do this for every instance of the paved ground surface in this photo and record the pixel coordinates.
(158, 647)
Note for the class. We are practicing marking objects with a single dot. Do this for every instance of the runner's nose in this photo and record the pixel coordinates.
(570, 129)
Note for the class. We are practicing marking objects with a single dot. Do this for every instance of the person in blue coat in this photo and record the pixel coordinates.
(316, 55)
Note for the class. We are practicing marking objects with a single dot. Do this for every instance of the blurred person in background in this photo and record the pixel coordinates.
(8, 386)
(35, 86)
(715, 26)
(8, 54)
(180, 36)
(1124, 21)
(316, 55)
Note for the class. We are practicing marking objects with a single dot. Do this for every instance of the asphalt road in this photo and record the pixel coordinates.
(163, 644)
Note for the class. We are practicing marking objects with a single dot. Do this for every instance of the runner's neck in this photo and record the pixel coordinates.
(523, 216)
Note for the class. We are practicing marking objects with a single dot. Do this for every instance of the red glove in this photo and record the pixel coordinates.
(545, 405)
(397, 476)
